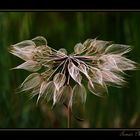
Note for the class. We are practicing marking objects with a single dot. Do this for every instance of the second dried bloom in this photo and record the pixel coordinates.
(62, 78)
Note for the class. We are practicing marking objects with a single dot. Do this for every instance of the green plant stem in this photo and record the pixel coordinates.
(69, 117)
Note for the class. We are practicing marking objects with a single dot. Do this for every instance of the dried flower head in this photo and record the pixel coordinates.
(61, 77)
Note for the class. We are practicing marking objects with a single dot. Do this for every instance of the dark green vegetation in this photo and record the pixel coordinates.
(121, 109)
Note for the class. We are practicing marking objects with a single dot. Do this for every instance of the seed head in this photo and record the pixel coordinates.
(61, 77)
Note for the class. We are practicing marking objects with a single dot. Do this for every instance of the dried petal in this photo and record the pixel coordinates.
(79, 48)
(88, 43)
(24, 44)
(63, 96)
(32, 81)
(30, 65)
(79, 94)
(23, 50)
(78, 101)
(96, 75)
(112, 78)
(59, 80)
(108, 62)
(62, 51)
(34, 92)
(68, 92)
(58, 95)
(95, 46)
(74, 73)
(49, 91)
(98, 90)
(124, 63)
(117, 49)
(100, 46)
(83, 69)
(39, 41)
(42, 89)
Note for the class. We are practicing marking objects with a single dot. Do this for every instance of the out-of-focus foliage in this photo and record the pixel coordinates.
(121, 109)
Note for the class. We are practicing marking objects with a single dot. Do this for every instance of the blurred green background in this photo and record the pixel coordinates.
(64, 29)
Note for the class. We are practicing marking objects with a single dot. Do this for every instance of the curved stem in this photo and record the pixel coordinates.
(69, 117)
